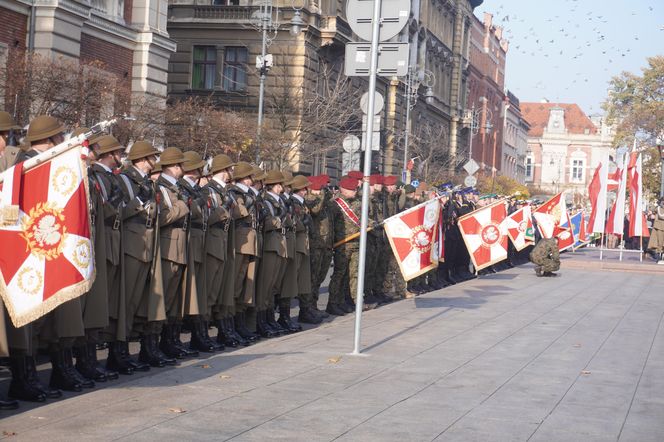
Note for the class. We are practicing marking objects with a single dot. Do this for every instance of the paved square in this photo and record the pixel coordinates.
(501, 358)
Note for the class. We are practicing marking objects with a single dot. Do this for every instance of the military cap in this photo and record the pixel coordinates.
(171, 156)
(288, 177)
(299, 182)
(242, 170)
(375, 179)
(390, 180)
(192, 161)
(258, 174)
(157, 168)
(221, 162)
(355, 174)
(317, 182)
(348, 183)
(325, 179)
(106, 144)
(7, 122)
(409, 188)
(141, 149)
(42, 127)
(274, 177)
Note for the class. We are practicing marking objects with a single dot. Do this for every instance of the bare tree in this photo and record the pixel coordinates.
(428, 142)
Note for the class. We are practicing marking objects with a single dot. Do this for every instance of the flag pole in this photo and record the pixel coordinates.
(64, 146)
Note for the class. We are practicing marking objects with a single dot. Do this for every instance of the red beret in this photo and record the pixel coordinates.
(348, 183)
(324, 179)
(390, 180)
(375, 179)
(316, 182)
(355, 174)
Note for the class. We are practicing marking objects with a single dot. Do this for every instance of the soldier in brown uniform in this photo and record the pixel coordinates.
(220, 251)
(104, 306)
(273, 257)
(302, 287)
(195, 296)
(8, 152)
(140, 259)
(245, 217)
(173, 227)
(59, 329)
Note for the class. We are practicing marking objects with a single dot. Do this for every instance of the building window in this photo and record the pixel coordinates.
(235, 69)
(529, 168)
(577, 171)
(225, 2)
(205, 67)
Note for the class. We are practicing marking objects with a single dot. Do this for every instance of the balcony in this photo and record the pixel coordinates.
(233, 14)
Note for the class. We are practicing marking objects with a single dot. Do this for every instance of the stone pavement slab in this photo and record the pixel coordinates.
(505, 357)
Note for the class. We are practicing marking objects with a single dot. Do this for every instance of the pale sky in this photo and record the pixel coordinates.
(568, 50)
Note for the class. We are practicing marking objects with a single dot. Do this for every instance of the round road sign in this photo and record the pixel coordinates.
(379, 103)
(351, 144)
(394, 15)
(470, 181)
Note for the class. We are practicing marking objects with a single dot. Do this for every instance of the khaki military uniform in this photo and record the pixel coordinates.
(656, 241)
(194, 295)
(219, 259)
(245, 216)
(273, 260)
(302, 221)
(173, 220)
(143, 286)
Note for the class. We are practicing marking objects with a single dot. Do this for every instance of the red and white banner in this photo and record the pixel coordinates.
(637, 219)
(551, 217)
(597, 195)
(566, 234)
(439, 243)
(46, 256)
(519, 227)
(616, 222)
(412, 236)
(485, 234)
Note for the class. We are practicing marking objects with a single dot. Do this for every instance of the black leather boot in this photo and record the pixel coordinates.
(86, 365)
(61, 376)
(272, 322)
(218, 346)
(224, 336)
(167, 343)
(284, 317)
(308, 315)
(262, 327)
(111, 375)
(134, 363)
(242, 330)
(83, 380)
(33, 378)
(198, 341)
(8, 404)
(232, 331)
(115, 362)
(154, 343)
(147, 354)
(177, 333)
(20, 386)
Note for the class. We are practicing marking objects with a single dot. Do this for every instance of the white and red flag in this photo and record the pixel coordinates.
(46, 256)
(412, 236)
(597, 195)
(552, 215)
(485, 234)
(519, 227)
(439, 243)
(616, 222)
(637, 219)
(566, 234)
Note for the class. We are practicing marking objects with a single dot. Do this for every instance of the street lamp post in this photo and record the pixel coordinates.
(414, 79)
(660, 147)
(475, 125)
(266, 21)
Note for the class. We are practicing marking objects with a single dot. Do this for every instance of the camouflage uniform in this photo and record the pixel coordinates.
(320, 238)
(346, 256)
(546, 256)
(393, 284)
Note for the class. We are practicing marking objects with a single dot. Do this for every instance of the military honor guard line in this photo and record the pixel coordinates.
(102, 247)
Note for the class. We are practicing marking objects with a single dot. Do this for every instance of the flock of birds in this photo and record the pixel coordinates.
(564, 41)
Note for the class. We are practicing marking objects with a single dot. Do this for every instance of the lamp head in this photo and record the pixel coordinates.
(296, 24)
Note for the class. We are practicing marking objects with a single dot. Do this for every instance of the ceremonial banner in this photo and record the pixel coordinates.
(566, 234)
(597, 195)
(439, 243)
(46, 256)
(411, 234)
(556, 212)
(637, 219)
(485, 234)
(616, 222)
(519, 227)
(579, 229)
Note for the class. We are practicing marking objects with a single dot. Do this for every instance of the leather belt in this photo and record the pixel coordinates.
(147, 222)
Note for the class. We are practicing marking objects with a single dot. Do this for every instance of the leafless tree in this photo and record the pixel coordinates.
(428, 143)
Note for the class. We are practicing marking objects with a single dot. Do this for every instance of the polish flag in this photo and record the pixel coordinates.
(637, 219)
(597, 195)
(616, 221)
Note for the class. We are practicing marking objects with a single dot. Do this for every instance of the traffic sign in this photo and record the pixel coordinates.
(470, 181)
(394, 15)
(392, 59)
(351, 144)
(471, 167)
(379, 102)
